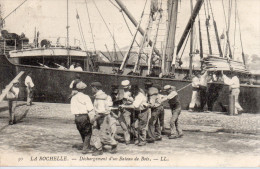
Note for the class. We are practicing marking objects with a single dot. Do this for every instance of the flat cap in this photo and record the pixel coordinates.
(96, 84)
(168, 87)
(81, 85)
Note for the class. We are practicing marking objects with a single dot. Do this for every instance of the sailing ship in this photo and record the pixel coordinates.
(161, 67)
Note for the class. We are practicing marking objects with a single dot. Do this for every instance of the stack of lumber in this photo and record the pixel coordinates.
(215, 63)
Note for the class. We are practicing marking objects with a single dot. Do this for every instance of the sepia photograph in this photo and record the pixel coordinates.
(130, 83)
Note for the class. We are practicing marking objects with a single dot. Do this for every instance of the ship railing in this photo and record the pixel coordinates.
(5, 48)
(7, 45)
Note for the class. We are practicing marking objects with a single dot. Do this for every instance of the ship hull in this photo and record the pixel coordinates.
(52, 85)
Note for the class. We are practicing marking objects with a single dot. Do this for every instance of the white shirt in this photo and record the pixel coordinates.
(78, 69)
(81, 104)
(72, 67)
(28, 79)
(102, 103)
(140, 101)
(195, 82)
(204, 79)
(233, 83)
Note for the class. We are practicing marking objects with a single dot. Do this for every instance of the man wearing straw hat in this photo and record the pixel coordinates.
(81, 107)
(125, 113)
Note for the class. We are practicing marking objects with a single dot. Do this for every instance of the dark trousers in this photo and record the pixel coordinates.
(12, 106)
(203, 97)
(154, 126)
(174, 122)
(85, 129)
(140, 125)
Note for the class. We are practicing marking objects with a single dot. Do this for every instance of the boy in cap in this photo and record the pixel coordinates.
(125, 113)
(12, 97)
(175, 105)
(142, 109)
(102, 106)
(81, 107)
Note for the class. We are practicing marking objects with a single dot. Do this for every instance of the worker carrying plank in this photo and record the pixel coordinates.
(12, 97)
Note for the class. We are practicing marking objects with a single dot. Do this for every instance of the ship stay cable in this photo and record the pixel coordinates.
(92, 35)
(235, 29)
(107, 28)
(243, 55)
(14, 10)
(126, 57)
(127, 25)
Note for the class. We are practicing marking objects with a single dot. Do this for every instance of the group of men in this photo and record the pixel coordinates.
(139, 112)
(200, 92)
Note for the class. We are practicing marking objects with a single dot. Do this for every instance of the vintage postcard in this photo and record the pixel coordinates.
(167, 83)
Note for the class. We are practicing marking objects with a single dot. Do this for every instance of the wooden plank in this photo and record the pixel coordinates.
(9, 86)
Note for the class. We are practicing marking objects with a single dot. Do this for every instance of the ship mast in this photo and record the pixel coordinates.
(168, 53)
(67, 27)
(191, 42)
(134, 21)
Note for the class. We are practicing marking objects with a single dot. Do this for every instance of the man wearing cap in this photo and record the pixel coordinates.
(102, 129)
(29, 88)
(175, 105)
(81, 107)
(203, 87)
(125, 113)
(141, 107)
(73, 85)
(195, 92)
(154, 98)
(234, 86)
(12, 97)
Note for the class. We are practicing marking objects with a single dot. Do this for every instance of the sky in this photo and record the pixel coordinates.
(49, 17)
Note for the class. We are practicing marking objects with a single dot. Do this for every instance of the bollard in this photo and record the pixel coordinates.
(231, 104)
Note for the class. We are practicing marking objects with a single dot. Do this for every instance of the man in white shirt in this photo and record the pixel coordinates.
(141, 107)
(195, 100)
(157, 112)
(125, 114)
(12, 97)
(102, 134)
(234, 85)
(29, 88)
(72, 66)
(82, 107)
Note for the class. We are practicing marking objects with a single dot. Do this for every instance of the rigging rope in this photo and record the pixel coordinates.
(127, 25)
(81, 31)
(14, 9)
(240, 31)
(90, 26)
(235, 29)
(107, 27)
